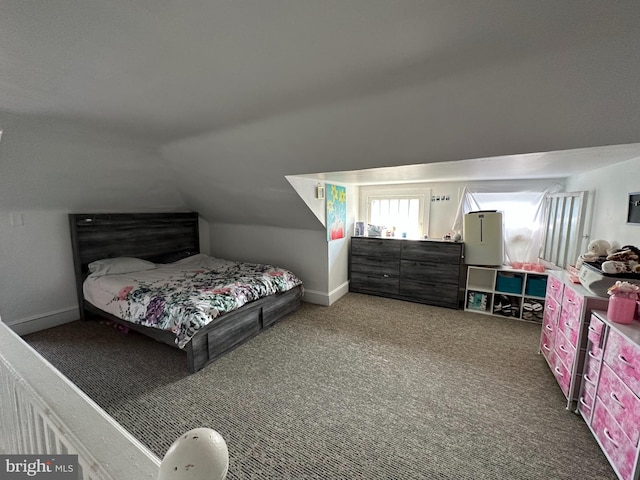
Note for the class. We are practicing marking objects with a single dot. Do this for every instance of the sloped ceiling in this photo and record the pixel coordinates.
(237, 94)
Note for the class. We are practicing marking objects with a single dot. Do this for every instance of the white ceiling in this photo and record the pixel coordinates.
(245, 92)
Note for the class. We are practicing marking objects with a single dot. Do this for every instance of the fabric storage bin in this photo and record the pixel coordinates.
(509, 283)
(536, 286)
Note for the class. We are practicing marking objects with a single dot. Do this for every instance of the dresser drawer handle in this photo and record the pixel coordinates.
(608, 435)
(625, 361)
(550, 308)
(582, 402)
(591, 354)
(568, 325)
(614, 397)
(588, 380)
(562, 348)
(546, 347)
(592, 329)
(549, 327)
(558, 371)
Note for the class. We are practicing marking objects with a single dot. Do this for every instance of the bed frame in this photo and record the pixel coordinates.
(165, 238)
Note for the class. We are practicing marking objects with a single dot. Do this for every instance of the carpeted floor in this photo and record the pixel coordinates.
(369, 388)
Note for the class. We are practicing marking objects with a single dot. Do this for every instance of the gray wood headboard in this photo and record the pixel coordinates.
(157, 237)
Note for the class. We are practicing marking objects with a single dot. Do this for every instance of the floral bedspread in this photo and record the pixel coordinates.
(184, 296)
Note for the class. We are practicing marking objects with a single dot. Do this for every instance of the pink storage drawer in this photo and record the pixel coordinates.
(565, 351)
(569, 325)
(624, 359)
(572, 302)
(617, 447)
(546, 348)
(621, 403)
(595, 329)
(554, 288)
(563, 376)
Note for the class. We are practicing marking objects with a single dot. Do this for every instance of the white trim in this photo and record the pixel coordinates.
(337, 293)
(326, 299)
(47, 414)
(42, 321)
(315, 297)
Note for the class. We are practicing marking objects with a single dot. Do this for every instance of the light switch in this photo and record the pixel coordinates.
(17, 219)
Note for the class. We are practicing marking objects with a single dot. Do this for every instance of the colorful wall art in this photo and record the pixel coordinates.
(336, 211)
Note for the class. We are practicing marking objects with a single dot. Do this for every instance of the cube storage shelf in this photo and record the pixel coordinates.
(506, 292)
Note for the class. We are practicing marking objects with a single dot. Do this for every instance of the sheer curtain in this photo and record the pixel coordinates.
(522, 204)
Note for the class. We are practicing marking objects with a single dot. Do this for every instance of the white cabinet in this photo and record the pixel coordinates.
(506, 292)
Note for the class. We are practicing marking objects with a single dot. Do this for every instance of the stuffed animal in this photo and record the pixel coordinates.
(615, 266)
(595, 250)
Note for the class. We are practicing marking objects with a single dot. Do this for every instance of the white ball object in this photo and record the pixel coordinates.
(199, 454)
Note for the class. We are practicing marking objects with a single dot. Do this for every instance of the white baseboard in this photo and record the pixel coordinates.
(43, 321)
(324, 298)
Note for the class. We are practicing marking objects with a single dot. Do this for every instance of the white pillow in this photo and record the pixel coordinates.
(119, 265)
(197, 260)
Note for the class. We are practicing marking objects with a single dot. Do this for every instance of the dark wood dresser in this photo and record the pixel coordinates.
(424, 271)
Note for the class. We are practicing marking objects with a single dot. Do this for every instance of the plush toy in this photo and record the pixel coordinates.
(595, 250)
(615, 266)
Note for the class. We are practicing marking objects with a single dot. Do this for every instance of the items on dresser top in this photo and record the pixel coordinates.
(610, 391)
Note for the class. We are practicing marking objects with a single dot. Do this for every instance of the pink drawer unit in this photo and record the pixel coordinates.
(591, 371)
(588, 393)
(621, 403)
(618, 448)
(569, 325)
(546, 347)
(624, 359)
(551, 311)
(595, 329)
(565, 351)
(562, 374)
(572, 302)
(549, 326)
(554, 288)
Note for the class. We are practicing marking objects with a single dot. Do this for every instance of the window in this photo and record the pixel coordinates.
(396, 207)
(564, 227)
(402, 213)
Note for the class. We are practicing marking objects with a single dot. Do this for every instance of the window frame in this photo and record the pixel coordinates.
(390, 192)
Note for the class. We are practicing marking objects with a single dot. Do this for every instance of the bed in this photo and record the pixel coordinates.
(142, 262)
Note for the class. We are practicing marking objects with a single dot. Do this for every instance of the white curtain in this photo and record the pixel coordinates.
(522, 204)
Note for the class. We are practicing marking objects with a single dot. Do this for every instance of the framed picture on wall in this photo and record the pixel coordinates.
(633, 215)
(336, 211)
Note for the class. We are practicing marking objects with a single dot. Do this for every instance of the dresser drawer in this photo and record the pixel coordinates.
(595, 329)
(434, 252)
(569, 325)
(562, 374)
(555, 288)
(380, 284)
(551, 310)
(375, 266)
(619, 449)
(427, 272)
(587, 400)
(593, 361)
(621, 403)
(565, 351)
(546, 347)
(572, 302)
(375, 247)
(624, 359)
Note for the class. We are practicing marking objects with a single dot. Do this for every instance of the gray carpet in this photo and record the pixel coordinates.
(369, 388)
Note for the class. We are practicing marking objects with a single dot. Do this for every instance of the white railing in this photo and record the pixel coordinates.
(42, 412)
